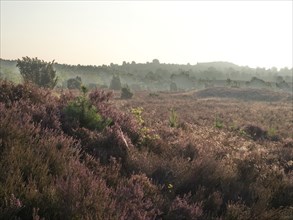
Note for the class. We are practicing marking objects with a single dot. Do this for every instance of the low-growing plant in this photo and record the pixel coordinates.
(137, 112)
(173, 118)
(218, 122)
(81, 111)
(153, 94)
(271, 132)
(183, 208)
(146, 134)
(242, 132)
(255, 132)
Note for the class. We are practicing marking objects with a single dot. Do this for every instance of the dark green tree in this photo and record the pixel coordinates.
(115, 83)
(156, 61)
(173, 87)
(37, 71)
(126, 93)
(74, 83)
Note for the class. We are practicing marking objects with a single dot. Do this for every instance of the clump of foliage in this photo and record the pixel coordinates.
(173, 118)
(126, 93)
(146, 134)
(115, 83)
(82, 112)
(218, 122)
(153, 94)
(255, 132)
(182, 208)
(74, 83)
(37, 71)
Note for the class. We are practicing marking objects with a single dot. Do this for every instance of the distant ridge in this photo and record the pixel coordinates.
(216, 64)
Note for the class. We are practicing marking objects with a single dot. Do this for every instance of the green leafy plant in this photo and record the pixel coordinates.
(137, 112)
(82, 111)
(145, 132)
(242, 132)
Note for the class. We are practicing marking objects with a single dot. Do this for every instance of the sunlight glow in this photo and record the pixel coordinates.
(253, 33)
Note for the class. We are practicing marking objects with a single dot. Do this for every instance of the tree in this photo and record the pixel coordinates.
(37, 71)
(126, 93)
(115, 83)
(228, 82)
(156, 61)
(173, 87)
(74, 83)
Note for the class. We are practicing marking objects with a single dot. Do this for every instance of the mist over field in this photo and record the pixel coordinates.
(156, 76)
(146, 110)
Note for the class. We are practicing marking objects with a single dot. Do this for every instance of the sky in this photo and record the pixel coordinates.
(252, 33)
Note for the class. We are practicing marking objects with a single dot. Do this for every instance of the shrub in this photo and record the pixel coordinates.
(238, 211)
(126, 93)
(82, 112)
(10, 93)
(182, 208)
(115, 83)
(154, 95)
(74, 83)
(138, 199)
(146, 135)
(10, 207)
(54, 166)
(218, 122)
(42, 173)
(255, 132)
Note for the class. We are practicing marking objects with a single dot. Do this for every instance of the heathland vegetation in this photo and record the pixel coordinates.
(90, 153)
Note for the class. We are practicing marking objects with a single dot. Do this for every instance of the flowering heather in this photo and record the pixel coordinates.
(73, 155)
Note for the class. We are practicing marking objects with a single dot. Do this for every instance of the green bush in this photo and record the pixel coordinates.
(81, 111)
(115, 83)
(74, 83)
(126, 93)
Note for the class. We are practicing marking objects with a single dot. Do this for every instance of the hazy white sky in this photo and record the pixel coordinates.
(253, 33)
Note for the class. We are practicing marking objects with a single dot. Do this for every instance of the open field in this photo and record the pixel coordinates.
(203, 107)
